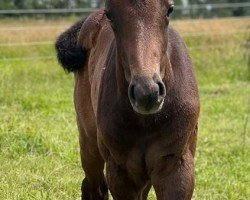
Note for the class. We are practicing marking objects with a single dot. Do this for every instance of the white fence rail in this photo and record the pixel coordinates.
(88, 10)
(47, 11)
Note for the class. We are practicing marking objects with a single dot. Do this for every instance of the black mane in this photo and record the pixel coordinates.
(69, 54)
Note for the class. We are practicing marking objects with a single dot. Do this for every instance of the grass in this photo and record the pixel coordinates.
(39, 156)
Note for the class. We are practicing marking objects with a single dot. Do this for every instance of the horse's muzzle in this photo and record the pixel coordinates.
(147, 94)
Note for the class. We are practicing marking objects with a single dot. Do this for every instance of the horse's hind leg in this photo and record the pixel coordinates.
(93, 185)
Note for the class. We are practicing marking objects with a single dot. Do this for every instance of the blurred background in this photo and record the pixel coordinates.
(39, 151)
(184, 8)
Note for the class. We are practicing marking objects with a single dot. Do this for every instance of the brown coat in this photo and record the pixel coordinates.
(139, 150)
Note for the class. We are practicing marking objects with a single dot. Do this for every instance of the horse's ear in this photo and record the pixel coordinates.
(70, 55)
(90, 30)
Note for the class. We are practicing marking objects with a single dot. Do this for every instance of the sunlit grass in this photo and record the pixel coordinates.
(39, 156)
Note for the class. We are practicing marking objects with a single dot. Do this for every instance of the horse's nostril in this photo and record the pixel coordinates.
(162, 89)
(132, 92)
(146, 95)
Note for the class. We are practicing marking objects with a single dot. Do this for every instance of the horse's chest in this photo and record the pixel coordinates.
(122, 130)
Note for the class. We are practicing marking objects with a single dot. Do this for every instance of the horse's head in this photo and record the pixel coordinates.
(140, 31)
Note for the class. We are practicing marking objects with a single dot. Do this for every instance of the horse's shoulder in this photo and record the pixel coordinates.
(175, 40)
(185, 84)
(90, 29)
(177, 49)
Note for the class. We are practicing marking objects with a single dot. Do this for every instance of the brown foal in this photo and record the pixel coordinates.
(136, 101)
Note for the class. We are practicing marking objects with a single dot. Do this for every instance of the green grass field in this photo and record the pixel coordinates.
(39, 153)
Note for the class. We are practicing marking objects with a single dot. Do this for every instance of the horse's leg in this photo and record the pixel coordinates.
(145, 191)
(94, 185)
(177, 184)
(121, 186)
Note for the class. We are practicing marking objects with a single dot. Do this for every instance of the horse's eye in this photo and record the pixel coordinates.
(170, 10)
(108, 15)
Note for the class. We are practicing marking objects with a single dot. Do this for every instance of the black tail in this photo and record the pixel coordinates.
(69, 54)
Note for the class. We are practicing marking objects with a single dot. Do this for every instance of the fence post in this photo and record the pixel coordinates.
(94, 3)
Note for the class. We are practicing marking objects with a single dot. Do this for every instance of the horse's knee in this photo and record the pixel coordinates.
(177, 184)
(104, 190)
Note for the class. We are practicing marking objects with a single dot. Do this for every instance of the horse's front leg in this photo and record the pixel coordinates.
(94, 185)
(120, 184)
(176, 183)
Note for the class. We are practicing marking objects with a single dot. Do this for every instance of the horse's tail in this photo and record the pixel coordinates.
(69, 54)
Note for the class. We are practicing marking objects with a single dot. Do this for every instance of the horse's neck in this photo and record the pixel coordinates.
(122, 84)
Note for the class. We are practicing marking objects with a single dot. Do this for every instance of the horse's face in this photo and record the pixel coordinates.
(140, 30)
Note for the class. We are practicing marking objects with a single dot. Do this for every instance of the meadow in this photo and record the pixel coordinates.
(39, 152)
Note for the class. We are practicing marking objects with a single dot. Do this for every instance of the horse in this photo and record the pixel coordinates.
(136, 101)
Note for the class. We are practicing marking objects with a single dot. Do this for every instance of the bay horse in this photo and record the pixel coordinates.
(136, 101)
